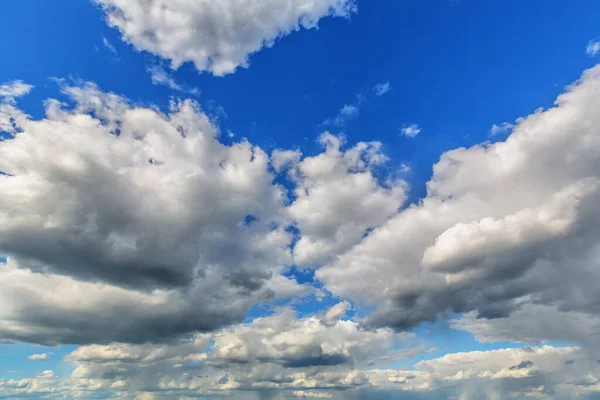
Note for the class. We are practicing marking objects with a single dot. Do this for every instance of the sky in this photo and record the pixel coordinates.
(335, 199)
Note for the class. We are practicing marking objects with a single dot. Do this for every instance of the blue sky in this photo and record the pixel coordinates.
(455, 69)
(421, 78)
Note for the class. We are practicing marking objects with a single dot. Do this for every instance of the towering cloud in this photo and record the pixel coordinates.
(502, 225)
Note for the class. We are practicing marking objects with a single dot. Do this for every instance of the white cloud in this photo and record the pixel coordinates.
(382, 88)
(109, 45)
(160, 76)
(96, 218)
(338, 198)
(39, 357)
(117, 371)
(345, 114)
(335, 313)
(219, 36)
(535, 324)
(11, 118)
(501, 129)
(306, 394)
(500, 223)
(411, 130)
(279, 352)
(593, 48)
(351, 111)
(14, 89)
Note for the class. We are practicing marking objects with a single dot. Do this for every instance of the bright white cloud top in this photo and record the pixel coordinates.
(217, 37)
(150, 251)
(111, 209)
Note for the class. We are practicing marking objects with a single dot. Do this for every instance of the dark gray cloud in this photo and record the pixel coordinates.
(522, 365)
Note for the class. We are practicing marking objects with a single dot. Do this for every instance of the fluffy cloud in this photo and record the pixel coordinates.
(534, 324)
(280, 352)
(108, 209)
(125, 371)
(44, 384)
(216, 36)
(11, 117)
(38, 357)
(281, 339)
(502, 225)
(306, 342)
(411, 130)
(338, 197)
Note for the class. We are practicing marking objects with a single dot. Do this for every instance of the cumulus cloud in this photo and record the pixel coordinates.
(217, 37)
(534, 324)
(39, 357)
(126, 371)
(109, 209)
(338, 197)
(278, 352)
(411, 130)
(502, 225)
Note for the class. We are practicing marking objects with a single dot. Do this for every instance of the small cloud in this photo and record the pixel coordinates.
(382, 88)
(162, 77)
(411, 130)
(361, 98)
(593, 48)
(346, 113)
(39, 357)
(502, 128)
(15, 89)
(46, 374)
(109, 45)
(349, 111)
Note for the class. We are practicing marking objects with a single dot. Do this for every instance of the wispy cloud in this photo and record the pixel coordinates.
(346, 113)
(15, 89)
(160, 76)
(352, 111)
(593, 47)
(411, 130)
(109, 45)
(382, 88)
